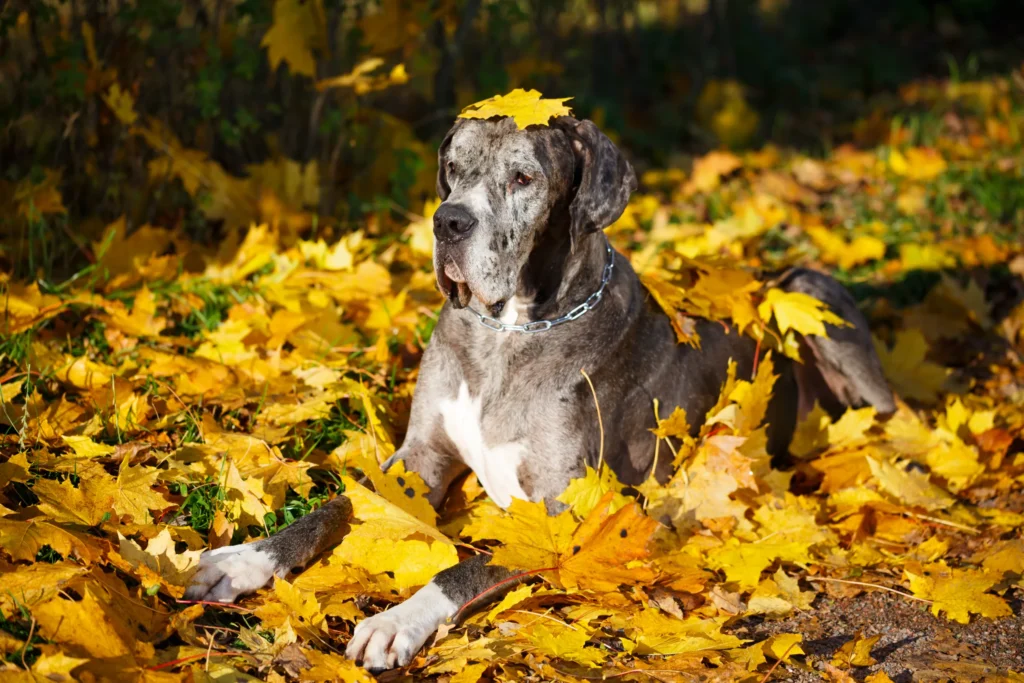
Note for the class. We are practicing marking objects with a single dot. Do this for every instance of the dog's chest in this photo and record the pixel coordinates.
(496, 464)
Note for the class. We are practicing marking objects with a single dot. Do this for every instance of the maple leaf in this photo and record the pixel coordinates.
(392, 540)
(25, 586)
(675, 425)
(608, 547)
(297, 29)
(657, 633)
(24, 539)
(919, 163)
(170, 567)
(905, 366)
(798, 311)
(909, 486)
(122, 104)
(856, 652)
(584, 493)
(847, 254)
(709, 170)
(133, 491)
(957, 592)
(530, 538)
(568, 643)
(526, 107)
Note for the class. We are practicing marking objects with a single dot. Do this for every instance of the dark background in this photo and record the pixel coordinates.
(810, 73)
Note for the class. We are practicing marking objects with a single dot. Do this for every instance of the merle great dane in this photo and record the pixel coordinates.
(535, 294)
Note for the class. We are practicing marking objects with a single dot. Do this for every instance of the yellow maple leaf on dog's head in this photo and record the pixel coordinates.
(527, 107)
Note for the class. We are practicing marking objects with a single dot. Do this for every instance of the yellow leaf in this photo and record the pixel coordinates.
(656, 633)
(328, 666)
(392, 540)
(511, 599)
(856, 652)
(56, 666)
(566, 643)
(744, 562)
(835, 249)
(298, 28)
(162, 559)
(134, 494)
(525, 106)
(33, 584)
(584, 493)
(784, 646)
(919, 163)
(798, 311)
(675, 425)
(89, 624)
(905, 366)
(908, 486)
(958, 592)
(85, 447)
(122, 104)
(361, 80)
(709, 170)
(24, 540)
(529, 538)
(87, 504)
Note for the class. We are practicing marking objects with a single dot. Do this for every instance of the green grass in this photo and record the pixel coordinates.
(296, 506)
(22, 626)
(201, 503)
(324, 434)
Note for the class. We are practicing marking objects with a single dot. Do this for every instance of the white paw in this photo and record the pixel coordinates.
(392, 638)
(226, 573)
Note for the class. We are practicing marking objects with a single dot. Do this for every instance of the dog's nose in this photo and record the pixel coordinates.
(452, 222)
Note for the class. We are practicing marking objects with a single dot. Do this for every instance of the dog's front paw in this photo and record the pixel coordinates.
(226, 573)
(392, 638)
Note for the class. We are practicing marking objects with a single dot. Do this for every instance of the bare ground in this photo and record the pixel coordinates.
(915, 646)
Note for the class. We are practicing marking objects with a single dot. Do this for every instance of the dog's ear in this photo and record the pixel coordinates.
(443, 188)
(604, 179)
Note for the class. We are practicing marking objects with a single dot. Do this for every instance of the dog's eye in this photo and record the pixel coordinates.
(451, 167)
(523, 179)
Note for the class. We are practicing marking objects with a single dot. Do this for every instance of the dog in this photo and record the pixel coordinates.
(535, 293)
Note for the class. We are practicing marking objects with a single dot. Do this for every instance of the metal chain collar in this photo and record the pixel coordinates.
(544, 325)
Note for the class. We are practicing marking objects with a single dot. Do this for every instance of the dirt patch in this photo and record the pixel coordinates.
(915, 646)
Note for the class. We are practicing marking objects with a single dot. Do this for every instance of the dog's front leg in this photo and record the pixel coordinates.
(392, 638)
(226, 573)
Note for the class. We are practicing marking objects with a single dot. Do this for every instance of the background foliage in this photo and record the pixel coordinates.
(231, 87)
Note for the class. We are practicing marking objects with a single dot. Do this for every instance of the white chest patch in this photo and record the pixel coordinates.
(497, 467)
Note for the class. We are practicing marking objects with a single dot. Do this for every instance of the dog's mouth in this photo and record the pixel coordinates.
(453, 284)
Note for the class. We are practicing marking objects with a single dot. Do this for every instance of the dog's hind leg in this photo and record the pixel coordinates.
(393, 637)
(226, 573)
(841, 370)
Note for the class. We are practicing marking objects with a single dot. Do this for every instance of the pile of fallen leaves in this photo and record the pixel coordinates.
(171, 398)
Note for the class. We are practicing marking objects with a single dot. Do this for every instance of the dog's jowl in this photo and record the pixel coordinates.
(535, 294)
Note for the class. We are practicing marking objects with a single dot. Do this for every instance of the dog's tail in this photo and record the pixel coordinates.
(841, 370)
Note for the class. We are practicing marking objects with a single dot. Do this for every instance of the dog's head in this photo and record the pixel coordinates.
(503, 190)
